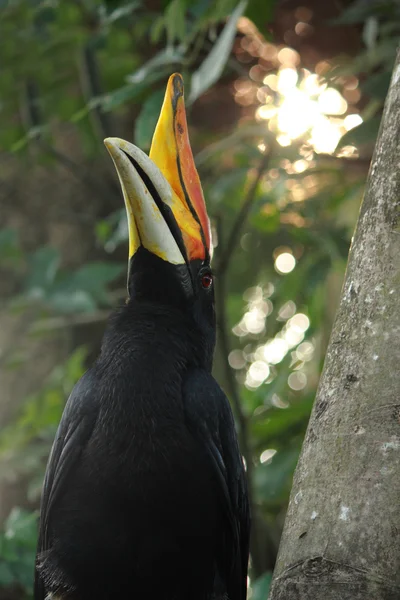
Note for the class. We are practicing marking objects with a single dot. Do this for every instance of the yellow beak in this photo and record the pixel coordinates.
(163, 196)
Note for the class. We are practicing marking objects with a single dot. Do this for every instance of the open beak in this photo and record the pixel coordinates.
(163, 196)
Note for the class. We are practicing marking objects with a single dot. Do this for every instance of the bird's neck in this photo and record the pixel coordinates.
(158, 337)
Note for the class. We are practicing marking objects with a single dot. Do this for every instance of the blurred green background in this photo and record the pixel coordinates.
(284, 102)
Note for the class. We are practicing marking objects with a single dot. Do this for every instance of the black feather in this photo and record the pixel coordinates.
(145, 492)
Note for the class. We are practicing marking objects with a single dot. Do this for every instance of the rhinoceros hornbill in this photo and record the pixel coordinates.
(145, 493)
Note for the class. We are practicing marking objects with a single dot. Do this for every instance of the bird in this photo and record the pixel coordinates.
(145, 492)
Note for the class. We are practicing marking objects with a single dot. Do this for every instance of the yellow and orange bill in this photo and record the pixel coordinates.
(163, 195)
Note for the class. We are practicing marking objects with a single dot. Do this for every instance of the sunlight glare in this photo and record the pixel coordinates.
(325, 135)
(352, 121)
(300, 166)
(266, 112)
(271, 81)
(287, 79)
(331, 102)
(312, 85)
(301, 106)
(283, 140)
(296, 114)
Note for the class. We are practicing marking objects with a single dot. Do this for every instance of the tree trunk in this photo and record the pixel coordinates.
(341, 539)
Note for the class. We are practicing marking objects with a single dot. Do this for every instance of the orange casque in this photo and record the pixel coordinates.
(171, 153)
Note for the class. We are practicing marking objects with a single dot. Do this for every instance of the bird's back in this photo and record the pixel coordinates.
(137, 512)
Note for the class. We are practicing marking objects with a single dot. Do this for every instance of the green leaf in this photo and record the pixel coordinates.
(199, 9)
(272, 480)
(267, 221)
(36, 425)
(365, 133)
(113, 230)
(21, 526)
(370, 32)
(148, 72)
(358, 12)
(157, 29)
(72, 301)
(80, 114)
(8, 241)
(261, 12)
(137, 86)
(261, 586)
(228, 188)
(175, 21)
(9, 246)
(6, 574)
(279, 422)
(122, 12)
(75, 366)
(18, 548)
(147, 120)
(234, 307)
(212, 67)
(377, 85)
(103, 230)
(43, 267)
(85, 289)
(93, 277)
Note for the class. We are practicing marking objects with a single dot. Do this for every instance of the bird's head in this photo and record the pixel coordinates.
(169, 230)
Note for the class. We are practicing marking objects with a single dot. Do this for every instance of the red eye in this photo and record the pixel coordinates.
(206, 280)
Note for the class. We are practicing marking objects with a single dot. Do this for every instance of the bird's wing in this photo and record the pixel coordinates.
(209, 418)
(73, 433)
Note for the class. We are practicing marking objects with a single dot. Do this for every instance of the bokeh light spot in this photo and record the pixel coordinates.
(259, 371)
(285, 263)
(275, 350)
(267, 455)
(352, 121)
(299, 322)
(305, 351)
(237, 359)
(297, 380)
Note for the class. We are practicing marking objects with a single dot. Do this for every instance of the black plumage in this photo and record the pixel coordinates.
(145, 492)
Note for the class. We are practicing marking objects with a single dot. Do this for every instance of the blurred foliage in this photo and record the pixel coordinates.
(45, 285)
(380, 21)
(103, 68)
(36, 425)
(17, 550)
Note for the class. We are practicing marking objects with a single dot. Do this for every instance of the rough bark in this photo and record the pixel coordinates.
(341, 538)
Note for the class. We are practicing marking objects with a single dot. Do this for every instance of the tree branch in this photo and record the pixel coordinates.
(91, 87)
(256, 542)
(32, 118)
(54, 323)
(233, 238)
(90, 73)
(242, 422)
